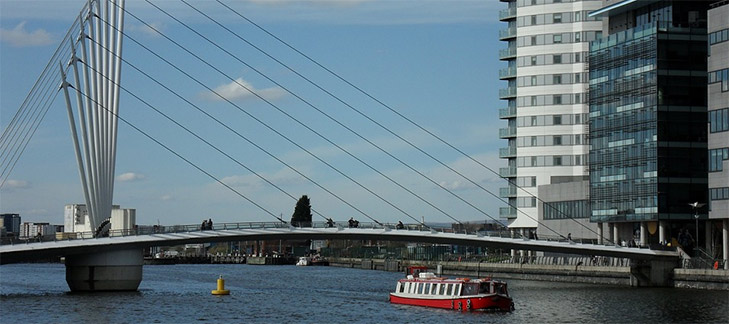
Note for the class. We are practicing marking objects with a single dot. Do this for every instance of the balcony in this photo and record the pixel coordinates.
(507, 192)
(507, 53)
(507, 72)
(507, 132)
(508, 13)
(507, 33)
(506, 113)
(507, 172)
(507, 212)
(506, 93)
(507, 152)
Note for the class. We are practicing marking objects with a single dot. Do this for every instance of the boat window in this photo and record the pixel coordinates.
(501, 289)
(411, 287)
(469, 289)
(442, 289)
(427, 289)
(449, 290)
(457, 289)
(434, 289)
(485, 288)
(420, 288)
(402, 287)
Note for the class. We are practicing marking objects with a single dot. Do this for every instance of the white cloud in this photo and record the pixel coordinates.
(167, 197)
(16, 184)
(149, 31)
(19, 37)
(129, 176)
(236, 91)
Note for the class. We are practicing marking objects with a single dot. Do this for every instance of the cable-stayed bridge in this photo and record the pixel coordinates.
(88, 66)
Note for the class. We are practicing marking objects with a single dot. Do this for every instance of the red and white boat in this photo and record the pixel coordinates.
(462, 293)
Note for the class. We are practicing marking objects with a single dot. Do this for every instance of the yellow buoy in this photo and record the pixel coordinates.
(221, 287)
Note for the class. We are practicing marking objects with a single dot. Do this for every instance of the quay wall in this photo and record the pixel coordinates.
(618, 275)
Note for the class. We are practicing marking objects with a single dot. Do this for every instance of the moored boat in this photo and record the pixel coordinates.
(461, 293)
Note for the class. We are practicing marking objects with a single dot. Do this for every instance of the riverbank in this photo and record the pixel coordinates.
(577, 270)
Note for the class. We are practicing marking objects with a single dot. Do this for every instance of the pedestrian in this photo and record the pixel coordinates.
(569, 237)
(400, 225)
(210, 224)
(351, 222)
(330, 222)
(204, 225)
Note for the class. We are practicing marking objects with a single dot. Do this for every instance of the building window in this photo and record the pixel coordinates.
(577, 37)
(556, 59)
(578, 16)
(533, 80)
(566, 209)
(719, 193)
(577, 57)
(557, 120)
(534, 20)
(557, 99)
(557, 161)
(557, 79)
(557, 38)
(577, 80)
(719, 120)
(557, 140)
(534, 60)
(716, 159)
(557, 18)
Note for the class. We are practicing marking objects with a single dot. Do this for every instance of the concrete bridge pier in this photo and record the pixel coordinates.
(105, 271)
(652, 273)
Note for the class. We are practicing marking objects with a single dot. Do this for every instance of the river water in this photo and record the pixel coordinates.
(287, 294)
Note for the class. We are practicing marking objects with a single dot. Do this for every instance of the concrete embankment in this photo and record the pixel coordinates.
(573, 271)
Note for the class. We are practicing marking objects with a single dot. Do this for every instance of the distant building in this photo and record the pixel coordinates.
(11, 224)
(717, 229)
(76, 220)
(31, 230)
(648, 132)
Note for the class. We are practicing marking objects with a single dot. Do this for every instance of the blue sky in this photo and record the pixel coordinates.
(433, 61)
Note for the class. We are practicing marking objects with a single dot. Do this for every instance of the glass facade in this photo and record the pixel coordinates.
(648, 117)
(566, 209)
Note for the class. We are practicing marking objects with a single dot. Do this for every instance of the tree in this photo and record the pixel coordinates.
(302, 213)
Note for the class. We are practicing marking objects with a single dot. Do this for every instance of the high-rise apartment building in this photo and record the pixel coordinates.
(648, 130)
(717, 233)
(546, 96)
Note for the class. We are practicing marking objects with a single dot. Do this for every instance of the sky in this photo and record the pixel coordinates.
(435, 62)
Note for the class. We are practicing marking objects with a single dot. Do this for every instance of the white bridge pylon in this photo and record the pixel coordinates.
(97, 102)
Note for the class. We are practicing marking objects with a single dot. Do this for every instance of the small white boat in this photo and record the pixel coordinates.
(303, 261)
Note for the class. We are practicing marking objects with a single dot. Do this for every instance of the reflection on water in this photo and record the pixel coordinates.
(264, 294)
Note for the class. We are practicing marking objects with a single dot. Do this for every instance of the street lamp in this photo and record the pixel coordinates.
(696, 206)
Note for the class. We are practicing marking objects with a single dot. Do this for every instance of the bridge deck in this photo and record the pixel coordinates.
(191, 234)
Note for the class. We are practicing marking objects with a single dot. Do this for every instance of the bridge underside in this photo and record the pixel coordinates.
(39, 251)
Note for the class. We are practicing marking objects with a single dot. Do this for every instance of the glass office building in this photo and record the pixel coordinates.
(647, 119)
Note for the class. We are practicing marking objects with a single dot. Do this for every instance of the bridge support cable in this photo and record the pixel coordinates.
(178, 155)
(208, 143)
(359, 89)
(32, 111)
(263, 123)
(291, 117)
